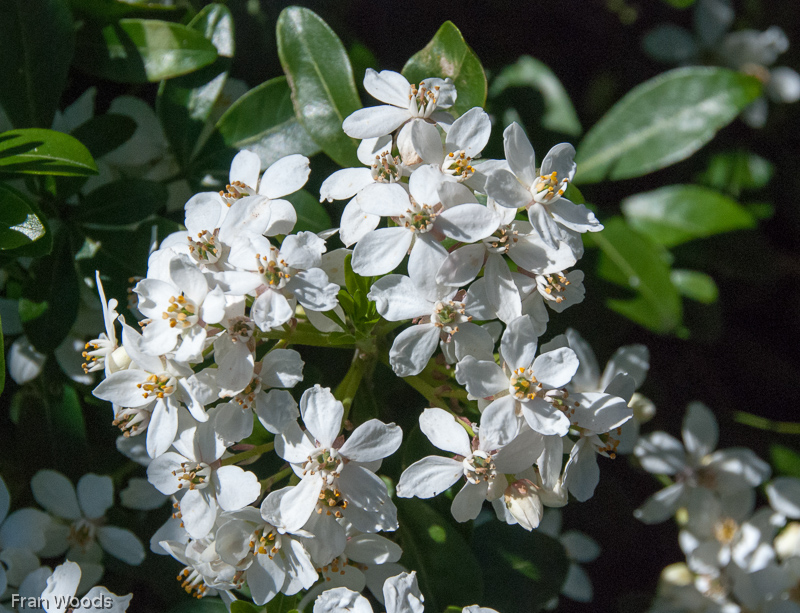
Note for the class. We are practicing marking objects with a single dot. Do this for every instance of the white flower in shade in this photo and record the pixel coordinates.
(425, 214)
(696, 465)
(560, 290)
(681, 590)
(62, 586)
(150, 393)
(784, 496)
(284, 177)
(103, 353)
(179, 304)
(404, 102)
(195, 475)
(527, 386)
(338, 475)
(205, 573)
(79, 523)
(503, 304)
(541, 190)
(483, 461)
(279, 277)
(400, 595)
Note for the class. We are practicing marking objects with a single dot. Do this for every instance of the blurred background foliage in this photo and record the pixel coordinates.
(699, 260)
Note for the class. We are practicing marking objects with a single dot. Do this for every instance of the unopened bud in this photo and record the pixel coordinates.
(522, 501)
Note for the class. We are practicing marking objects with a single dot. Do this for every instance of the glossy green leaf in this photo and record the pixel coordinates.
(111, 10)
(321, 79)
(695, 285)
(518, 566)
(103, 133)
(53, 283)
(632, 261)
(282, 604)
(734, 171)
(675, 214)
(786, 461)
(67, 418)
(430, 545)
(22, 226)
(448, 55)
(185, 104)
(123, 202)
(243, 606)
(36, 151)
(263, 121)
(311, 215)
(663, 121)
(37, 41)
(142, 50)
(559, 114)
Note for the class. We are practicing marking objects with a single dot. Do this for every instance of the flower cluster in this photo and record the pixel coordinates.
(483, 244)
(738, 557)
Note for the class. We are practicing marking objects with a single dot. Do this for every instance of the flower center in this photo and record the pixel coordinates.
(448, 314)
(95, 353)
(247, 397)
(205, 248)
(502, 240)
(241, 329)
(725, 531)
(193, 475)
(331, 501)
(235, 191)
(192, 581)
(479, 467)
(181, 312)
(523, 385)
(265, 544)
(457, 164)
(82, 533)
(552, 286)
(386, 169)
(422, 101)
(132, 421)
(275, 270)
(327, 462)
(419, 217)
(157, 385)
(548, 188)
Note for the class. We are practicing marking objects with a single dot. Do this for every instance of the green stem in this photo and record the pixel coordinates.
(303, 335)
(246, 455)
(346, 390)
(266, 484)
(762, 423)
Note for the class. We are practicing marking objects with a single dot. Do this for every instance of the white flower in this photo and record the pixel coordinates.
(205, 573)
(195, 474)
(483, 462)
(62, 586)
(337, 475)
(103, 352)
(401, 595)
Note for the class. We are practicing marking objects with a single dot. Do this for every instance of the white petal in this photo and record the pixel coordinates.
(427, 142)
(784, 496)
(236, 487)
(303, 250)
(355, 223)
(56, 494)
(401, 594)
(119, 604)
(660, 453)
(374, 121)
(282, 368)
(661, 505)
(481, 378)
(25, 529)
(469, 132)
(507, 190)
(160, 472)
(313, 290)
(122, 544)
(600, 412)
(367, 491)
(444, 431)
(285, 176)
(412, 349)
(387, 86)
(467, 222)
(574, 216)
(276, 410)
(372, 440)
(322, 414)
(381, 251)
(462, 265)
(700, 430)
(270, 310)
(582, 474)
(265, 579)
(95, 495)
(120, 388)
(560, 159)
(386, 199)
(198, 513)
(341, 600)
(371, 149)
(519, 154)
(556, 368)
(397, 298)
(345, 183)
(472, 339)
(61, 586)
(544, 418)
(141, 495)
(518, 345)
(577, 585)
(468, 502)
(429, 477)
(501, 290)
(426, 257)
(24, 362)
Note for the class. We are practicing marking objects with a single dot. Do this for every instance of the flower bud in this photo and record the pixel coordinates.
(522, 501)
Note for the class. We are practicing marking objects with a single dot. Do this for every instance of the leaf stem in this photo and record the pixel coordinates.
(346, 390)
(266, 484)
(246, 455)
(762, 423)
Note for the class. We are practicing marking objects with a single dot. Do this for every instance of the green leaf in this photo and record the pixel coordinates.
(36, 151)
(263, 121)
(321, 79)
(123, 202)
(142, 50)
(632, 261)
(311, 215)
(36, 45)
(679, 4)
(111, 10)
(22, 225)
(675, 214)
(559, 114)
(2, 359)
(663, 121)
(518, 566)
(54, 283)
(735, 171)
(282, 604)
(185, 104)
(243, 606)
(67, 418)
(695, 285)
(786, 461)
(430, 545)
(448, 55)
(204, 605)
(103, 133)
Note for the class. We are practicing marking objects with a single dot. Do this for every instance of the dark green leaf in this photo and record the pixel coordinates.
(243, 606)
(2, 360)
(430, 545)
(111, 10)
(67, 418)
(632, 261)
(311, 215)
(663, 121)
(448, 55)
(36, 45)
(123, 202)
(559, 114)
(142, 50)
(282, 604)
(680, 4)
(786, 461)
(321, 79)
(37, 151)
(21, 224)
(104, 133)
(185, 103)
(54, 281)
(735, 171)
(204, 605)
(695, 285)
(760, 210)
(263, 121)
(518, 566)
(675, 214)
